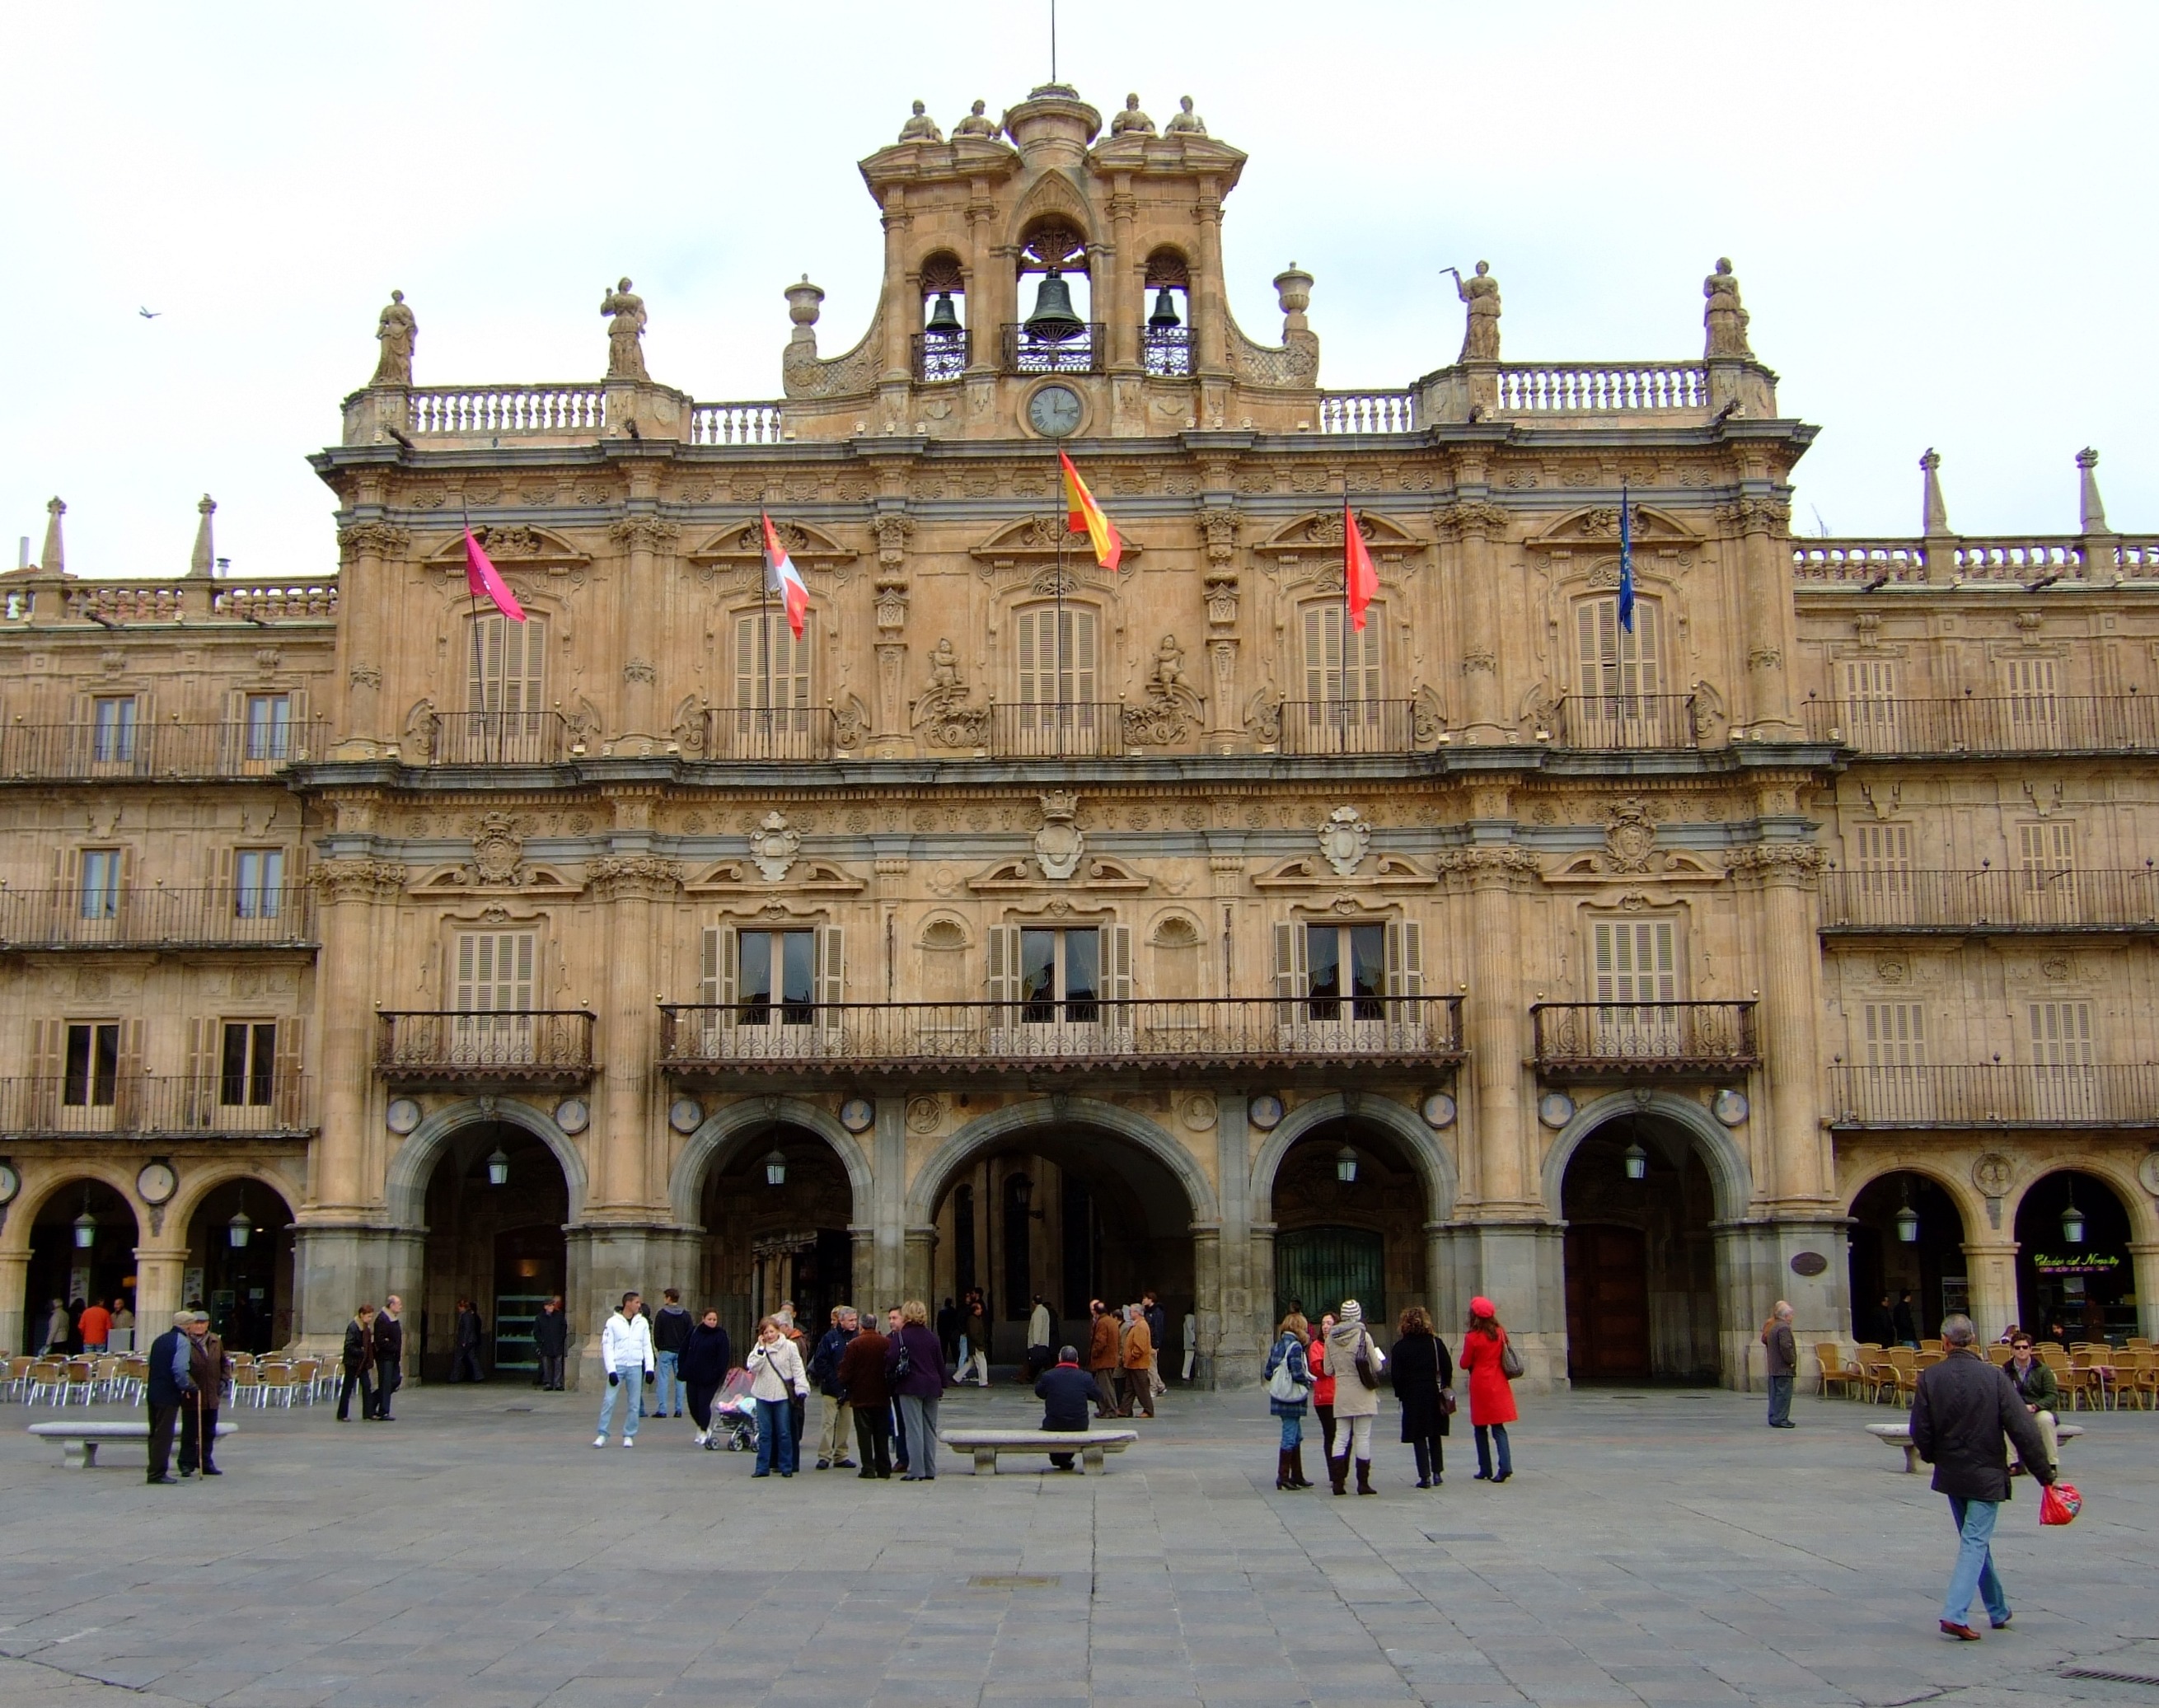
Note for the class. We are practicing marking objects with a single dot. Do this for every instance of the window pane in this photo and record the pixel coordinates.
(264, 1044)
(1324, 946)
(797, 976)
(232, 1073)
(1037, 973)
(77, 1094)
(1368, 960)
(1082, 962)
(100, 883)
(754, 972)
(105, 1066)
(113, 729)
(269, 725)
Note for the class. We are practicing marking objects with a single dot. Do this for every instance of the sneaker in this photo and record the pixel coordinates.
(823, 1464)
(599, 1441)
(702, 1437)
(629, 1441)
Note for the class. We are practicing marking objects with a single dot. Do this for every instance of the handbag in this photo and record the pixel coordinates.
(1365, 1373)
(1448, 1404)
(1511, 1361)
(902, 1366)
(1283, 1384)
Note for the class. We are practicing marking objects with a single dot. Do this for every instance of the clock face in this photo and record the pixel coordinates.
(11, 1183)
(157, 1182)
(1054, 412)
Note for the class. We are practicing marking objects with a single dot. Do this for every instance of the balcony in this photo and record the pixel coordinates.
(781, 734)
(141, 1105)
(1166, 351)
(1631, 722)
(516, 1047)
(498, 738)
(1596, 1039)
(1967, 727)
(2008, 900)
(1089, 729)
(941, 356)
(1315, 727)
(1027, 352)
(1164, 1035)
(221, 917)
(155, 752)
(1996, 1094)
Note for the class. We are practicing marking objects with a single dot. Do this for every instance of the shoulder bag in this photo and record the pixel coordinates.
(1283, 1384)
(902, 1366)
(1511, 1361)
(1365, 1372)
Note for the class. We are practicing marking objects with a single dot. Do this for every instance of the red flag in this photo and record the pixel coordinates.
(1081, 511)
(1358, 574)
(782, 577)
(481, 577)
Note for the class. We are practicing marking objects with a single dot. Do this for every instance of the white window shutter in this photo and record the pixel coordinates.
(1117, 968)
(1003, 944)
(1405, 958)
(831, 975)
(48, 1039)
(129, 1099)
(1293, 978)
(202, 1072)
(291, 1064)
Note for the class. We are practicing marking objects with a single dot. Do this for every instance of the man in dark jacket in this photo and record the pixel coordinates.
(1904, 1323)
(389, 1355)
(168, 1385)
(1963, 1408)
(671, 1334)
(832, 1393)
(1783, 1347)
(359, 1362)
(869, 1398)
(467, 1331)
(208, 1369)
(1065, 1391)
(550, 1343)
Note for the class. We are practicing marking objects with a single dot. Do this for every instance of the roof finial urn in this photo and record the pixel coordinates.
(802, 306)
(1293, 291)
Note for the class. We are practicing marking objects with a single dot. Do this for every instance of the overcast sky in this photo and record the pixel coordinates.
(1940, 216)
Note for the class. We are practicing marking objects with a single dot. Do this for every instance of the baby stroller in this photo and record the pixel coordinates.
(734, 1414)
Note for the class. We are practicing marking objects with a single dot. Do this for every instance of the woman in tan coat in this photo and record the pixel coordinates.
(1356, 1404)
(1137, 1356)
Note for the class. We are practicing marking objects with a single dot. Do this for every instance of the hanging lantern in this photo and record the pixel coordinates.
(498, 1168)
(775, 1167)
(1907, 1221)
(2073, 1221)
(86, 1230)
(238, 1229)
(1345, 1165)
(1022, 1190)
(1637, 1161)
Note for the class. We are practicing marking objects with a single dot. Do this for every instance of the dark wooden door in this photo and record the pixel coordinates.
(1607, 1303)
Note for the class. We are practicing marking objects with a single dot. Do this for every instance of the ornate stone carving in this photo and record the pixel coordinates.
(1060, 842)
(1799, 860)
(420, 727)
(1765, 658)
(397, 331)
(646, 875)
(920, 127)
(1630, 838)
(1184, 121)
(639, 670)
(498, 859)
(364, 676)
(1480, 294)
(1991, 1172)
(1427, 718)
(626, 315)
(892, 532)
(773, 846)
(977, 123)
(1470, 516)
(1133, 119)
(851, 722)
(1724, 319)
(371, 539)
(688, 729)
(943, 715)
(648, 533)
(355, 877)
(1506, 861)
(1757, 515)
(1343, 837)
(1263, 716)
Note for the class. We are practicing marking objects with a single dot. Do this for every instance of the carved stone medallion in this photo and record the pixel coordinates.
(1344, 839)
(498, 851)
(773, 845)
(1990, 1173)
(1060, 842)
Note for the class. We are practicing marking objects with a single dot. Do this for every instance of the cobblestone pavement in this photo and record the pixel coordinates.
(1659, 1547)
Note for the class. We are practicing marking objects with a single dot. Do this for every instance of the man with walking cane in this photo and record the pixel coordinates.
(208, 1368)
(167, 1388)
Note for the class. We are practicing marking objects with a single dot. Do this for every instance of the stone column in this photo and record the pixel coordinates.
(1446, 1300)
(895, 1268)
(158, 1267)
(862, 1271)
(1990, 1264)
(1215, 1366)
(986, 287)
(1772, 625)
(15, 1290)
(1233, 1349)
(1259, 1271)
(1207, 295)
(1121, 276)
(627, 882)
(1801, 1172)
(1473, 523)
(921, 1249)
(901, 317)
(640, 621)
(891, 740)
(1225, 729)
(358, 726)
(349, 888)
(2143, 1261)
(1499, 1130)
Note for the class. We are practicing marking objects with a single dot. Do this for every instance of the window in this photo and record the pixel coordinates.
(1346, 963)
(1058, 687)
(1323, 679)
(112, 729)
(268, 726)
(1635, 981)
(246, 1072)
(775, 970)
(1059, 976)
(1894, 1034)
(92, 1076)
(2033, 713)
(2061, 1034)
(1870, 714)
(495, 978)
(2046, 872)
(98, 891)
(776, 979)
(258, 882)
(1882, 871)
(1619, 676)
(772, 716)
(506, 667)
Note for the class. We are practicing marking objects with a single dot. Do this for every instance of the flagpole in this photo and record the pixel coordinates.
(764, 628)
(1057, 651)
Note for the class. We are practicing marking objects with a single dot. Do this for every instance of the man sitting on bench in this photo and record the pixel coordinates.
(1066, 1393)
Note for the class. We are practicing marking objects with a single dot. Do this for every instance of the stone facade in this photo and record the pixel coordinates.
(1040, 928)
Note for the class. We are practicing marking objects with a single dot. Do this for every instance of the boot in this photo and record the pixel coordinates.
(1297, 1476)
(1282, 1469)
(1365, 1477)
(1337, 1473)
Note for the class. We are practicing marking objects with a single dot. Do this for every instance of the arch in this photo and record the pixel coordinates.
(1729, 1176)
(937, 1170)
(23, 1214)
(198, 1184)
(405, 1185)
(1969, 1206)
(1052, 203)
(2137, 1204)
(1167, 265)
(724, 1129)
(1427, 1155)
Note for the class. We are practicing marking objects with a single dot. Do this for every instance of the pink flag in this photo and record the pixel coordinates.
(481, 577)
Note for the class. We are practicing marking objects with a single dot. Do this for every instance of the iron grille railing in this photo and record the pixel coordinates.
(459, 1047)
(1348, 726)
(498, 738)
(1664, 1038)
(1027, 352)
(783, 732)
(1990, 899)
(272, 917)
(1996, 1094)
(2032, 723)
(1084, 729)
(156, 751)
(1628, 721)
(939, 356)
(1186, 1035)
(151, 1105)
(1166, 350)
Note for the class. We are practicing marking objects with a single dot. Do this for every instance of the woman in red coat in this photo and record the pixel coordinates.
(1322, 1382)
(1491, 1396)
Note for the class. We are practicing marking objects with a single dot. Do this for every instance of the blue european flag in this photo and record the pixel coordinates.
(1626, 563)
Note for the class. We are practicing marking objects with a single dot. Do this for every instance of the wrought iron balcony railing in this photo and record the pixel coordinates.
(152, 752)
(498, 738)
(1180, 1035)
(1351, 726)
(145, 1105)
(1996, 1094)
(275, 917)
(1027, 352)
(1968, 726)
(1607, 722)
(1580, 1038)
(939, 356)
(1166, 351)
(508, 1045)
(2008, 899)
(785, 732)
(1088, 729)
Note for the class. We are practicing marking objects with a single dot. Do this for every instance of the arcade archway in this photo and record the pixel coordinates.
(2075, 1273)
(776, 1203)
(496, 1207)
(1348, 1206)
(82, 1247)
(240, 1263)
(1908, 1237)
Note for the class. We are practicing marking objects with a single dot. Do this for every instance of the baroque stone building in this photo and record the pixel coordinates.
(1033, 927)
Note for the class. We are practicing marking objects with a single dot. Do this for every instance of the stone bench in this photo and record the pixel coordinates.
(79, 1442)
(986, 1444)
(1899, 1435)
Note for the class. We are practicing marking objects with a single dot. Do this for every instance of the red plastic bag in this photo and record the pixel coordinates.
(2060, 1503)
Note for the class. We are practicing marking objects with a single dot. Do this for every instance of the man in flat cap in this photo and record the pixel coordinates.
(208, 1367)
(169, 1385)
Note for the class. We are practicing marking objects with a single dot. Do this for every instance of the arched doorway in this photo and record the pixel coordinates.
(239, 1245)
(82, 1247)
(775, 1207)
(497, 1204)
(2075, 1274)
(1640, 1255)
(1349, 1209)
(1886, 1265)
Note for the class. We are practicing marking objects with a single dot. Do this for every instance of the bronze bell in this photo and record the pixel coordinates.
(1165, 312)
(1054, 320)
(943, 318)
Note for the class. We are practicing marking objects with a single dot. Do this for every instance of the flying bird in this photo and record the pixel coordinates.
(148, 315)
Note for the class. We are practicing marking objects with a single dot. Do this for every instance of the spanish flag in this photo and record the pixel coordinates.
(1081, 511)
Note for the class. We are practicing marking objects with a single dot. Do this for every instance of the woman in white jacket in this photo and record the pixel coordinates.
(776, 1377)
(626, 1356)
(1355, 1403)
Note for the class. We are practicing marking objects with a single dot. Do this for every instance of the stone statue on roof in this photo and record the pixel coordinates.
(625, 314)
(920, 127)
(1184, 120)
(1725, 319)
(398, 331)
(1480, 293)
(1132, 119)
(977, 123)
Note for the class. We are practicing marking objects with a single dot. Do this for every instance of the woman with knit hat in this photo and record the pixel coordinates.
(1351, 1355)
(1491, 1395)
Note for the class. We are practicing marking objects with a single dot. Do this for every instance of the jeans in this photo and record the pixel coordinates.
(1974, 1562)
(1292, 1433)
(1780, 1401)
(667, 1390)
(775, 1436)
(1484, 1450)
(918, 1417)
(630, 1388)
